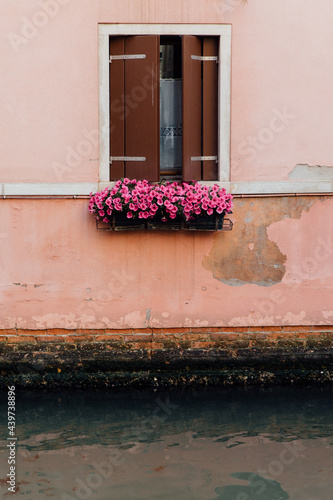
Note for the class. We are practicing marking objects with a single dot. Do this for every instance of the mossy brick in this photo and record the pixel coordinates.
(196, 336)
(318, 343)
(110, 338)
(144, 346)
(289, 343)
(78, 338)
(157, 345)
(22, 339)
(145, 337)
(49, 338)
(284, 336)
(170, 344)
(205, 330)
(225, 336)
(115, 345)
(184, 344)
(253, 336)
(240, 344)
(262, 343)
(202, 345)
(167, 337)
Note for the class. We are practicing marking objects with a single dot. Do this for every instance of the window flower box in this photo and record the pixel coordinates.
(139, 205)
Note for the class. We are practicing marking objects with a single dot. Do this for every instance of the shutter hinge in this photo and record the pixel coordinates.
(127, 158)
(203, 158)
(205, 58)
(127, 56)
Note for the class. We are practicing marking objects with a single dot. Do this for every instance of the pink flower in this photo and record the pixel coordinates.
(129, 215)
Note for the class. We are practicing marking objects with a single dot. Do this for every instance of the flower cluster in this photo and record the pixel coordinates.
(164, 200)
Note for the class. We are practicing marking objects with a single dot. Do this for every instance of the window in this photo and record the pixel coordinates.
(168, 94)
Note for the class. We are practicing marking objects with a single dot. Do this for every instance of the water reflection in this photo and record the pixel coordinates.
(259, 488)
(214, 444)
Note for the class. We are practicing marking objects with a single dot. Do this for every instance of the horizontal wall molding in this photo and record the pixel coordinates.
(27, 189)
(47, 189)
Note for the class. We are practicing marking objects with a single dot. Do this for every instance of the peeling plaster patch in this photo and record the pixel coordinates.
(253, 320)
(311, 172)
(165, 314)
(134, 319)
(295, 319)
(230, 260)
(328, 315)
(107, 323)
(308, 243)
(67, 321)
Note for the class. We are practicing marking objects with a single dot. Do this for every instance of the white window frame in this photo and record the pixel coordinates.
(223, 31)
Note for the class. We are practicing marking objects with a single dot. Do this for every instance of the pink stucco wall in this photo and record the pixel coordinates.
(281, 64)
(58, 271)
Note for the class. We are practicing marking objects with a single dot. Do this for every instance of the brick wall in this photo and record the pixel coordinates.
(166, 357)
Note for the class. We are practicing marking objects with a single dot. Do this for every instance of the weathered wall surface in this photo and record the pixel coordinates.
(274, 268)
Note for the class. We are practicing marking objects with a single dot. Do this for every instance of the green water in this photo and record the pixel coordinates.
(215, 444)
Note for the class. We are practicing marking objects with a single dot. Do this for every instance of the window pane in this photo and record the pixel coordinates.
(170, 108)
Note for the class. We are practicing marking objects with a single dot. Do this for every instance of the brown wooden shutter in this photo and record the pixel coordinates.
(210, 108)
(191, 107)
(117, 117)
(135, 88)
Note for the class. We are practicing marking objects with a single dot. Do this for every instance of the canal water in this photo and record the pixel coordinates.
(273, 443)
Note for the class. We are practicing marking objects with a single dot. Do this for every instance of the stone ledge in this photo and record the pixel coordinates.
(179, 338)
